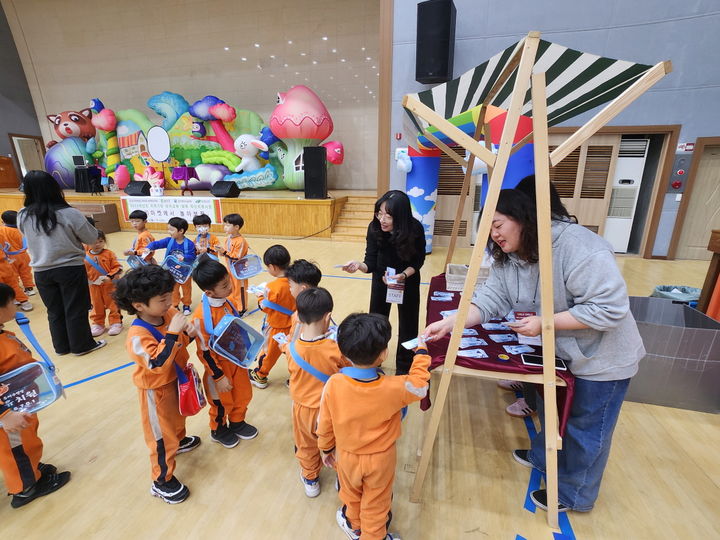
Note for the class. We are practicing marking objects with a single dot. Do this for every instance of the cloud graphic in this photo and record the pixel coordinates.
(432, 197)
(415, 192)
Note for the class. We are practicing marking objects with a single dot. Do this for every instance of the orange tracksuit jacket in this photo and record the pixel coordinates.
(20, 452)
(156, 381)
(236, 248)
(278, 291)
(224, 406)
(361, 421)
(305, 391)
(9, 276)
(21, 261)
(140, 243)
(101, 295)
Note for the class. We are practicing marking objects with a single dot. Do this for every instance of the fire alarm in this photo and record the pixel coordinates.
(398, 136)
(680, 172)
(677, 184)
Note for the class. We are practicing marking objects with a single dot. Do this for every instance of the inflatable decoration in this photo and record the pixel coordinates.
(170, 106)
(335, 152)
(72, 124)
(59, 160)
(300, 119)
(221, 157)
(247, 147)
(156, 180)
(106, 121)
(404, 163)
(269, 138)
(215, 111)
(207, 175)
(122, 176)
(259, 178)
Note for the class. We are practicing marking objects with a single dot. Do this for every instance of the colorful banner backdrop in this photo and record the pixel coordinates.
(161, 209)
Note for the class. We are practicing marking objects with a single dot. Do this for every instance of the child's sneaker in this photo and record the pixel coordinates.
(224, 436)
(186, 310)
(50, 480)
(519, 409)
(172, 492)
(97, 330)
(257, 380)
(115, 329)
(511, 386)
(26, 306)
(30, 291)
(312, 487)
(344, 524)
(244, 430)
(188, 443)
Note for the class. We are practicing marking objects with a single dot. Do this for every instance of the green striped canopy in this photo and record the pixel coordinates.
(576, 82)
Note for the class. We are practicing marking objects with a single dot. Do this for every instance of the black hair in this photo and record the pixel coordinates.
(363, 336)
(234, 219)
(7, 294)
(277, 255)
(138, 214)
(101, 235)
(397, 205)
(313, 304)
(9, 217)
(43, 198)
(202, 219)
(208, 273)
(179, 223)
(142, 284)
(557, 208)
(521, 209)
(304, 272)
(90, 220)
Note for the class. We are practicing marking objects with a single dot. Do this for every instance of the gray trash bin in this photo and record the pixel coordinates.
(682, 366)
(677, 292)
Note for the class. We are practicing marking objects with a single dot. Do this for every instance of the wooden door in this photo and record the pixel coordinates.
(8, 176)
(703, 211)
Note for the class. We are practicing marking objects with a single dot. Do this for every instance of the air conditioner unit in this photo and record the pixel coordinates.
(625, 190)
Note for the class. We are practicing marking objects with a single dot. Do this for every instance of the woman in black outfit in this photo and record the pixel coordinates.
(395, 239)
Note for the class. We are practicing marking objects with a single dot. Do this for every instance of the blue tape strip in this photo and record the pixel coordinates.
(102, 373)
(533, 484)
(566, 530)
(518, 537)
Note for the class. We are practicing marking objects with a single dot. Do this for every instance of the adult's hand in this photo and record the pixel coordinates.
(528, 326)
(352, 267)
(439, 329)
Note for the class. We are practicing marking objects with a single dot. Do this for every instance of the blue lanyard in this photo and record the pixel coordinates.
(367, 374)
(276, 307)
(6, 248)
(300, 361)
(95, 265)
(182, 378)
(207, 317)
(24, 325)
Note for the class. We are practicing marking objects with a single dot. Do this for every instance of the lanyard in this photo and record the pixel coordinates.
(96, 265)
(300, 361)
(207, 317)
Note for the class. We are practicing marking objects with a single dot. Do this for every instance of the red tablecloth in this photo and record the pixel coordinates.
(437, 350)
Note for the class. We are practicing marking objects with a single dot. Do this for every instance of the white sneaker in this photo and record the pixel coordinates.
(26, 306)
(345, 526)
(97, 330)
(30, 291)
(115, 329)
(312, 487)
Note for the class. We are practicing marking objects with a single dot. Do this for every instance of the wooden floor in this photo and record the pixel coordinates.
(663, 479)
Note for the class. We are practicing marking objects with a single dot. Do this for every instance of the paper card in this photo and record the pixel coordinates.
(495, 326)
(518, 349)
(473, 353)
(441, 298)
(503, 338)
(470, 332)
(281, 338)
(443, 294)
(410, 344)
(258, 289)
(339, 266)
(446, 314)
(530, 340)
(468, 342)
(395, 290)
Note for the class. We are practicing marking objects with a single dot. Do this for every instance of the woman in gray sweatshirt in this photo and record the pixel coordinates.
(595, 334)
(55, 234)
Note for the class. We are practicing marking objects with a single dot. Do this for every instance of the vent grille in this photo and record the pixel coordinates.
(622, 202)
(597, 169)
(443, 227)
(451, 176)
(633, 148)
(564, 174)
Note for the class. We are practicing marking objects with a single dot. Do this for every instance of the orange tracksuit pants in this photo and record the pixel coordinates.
(305, 439)
(228, 406)
(163, 427)
(9, 276)
(20, 453)
(102, 302)
(271, 350)
(22, 267)
(366, 482)
(182, 291)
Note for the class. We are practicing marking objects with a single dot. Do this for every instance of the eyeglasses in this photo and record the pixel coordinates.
(383, 216)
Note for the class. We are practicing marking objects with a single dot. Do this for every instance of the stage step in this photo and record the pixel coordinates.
(352, 223)
(341, 237)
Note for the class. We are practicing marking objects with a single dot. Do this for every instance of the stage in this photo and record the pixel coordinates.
(266, 213)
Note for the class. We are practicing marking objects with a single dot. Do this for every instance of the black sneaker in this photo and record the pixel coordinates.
(186, 310)
(521, 456)
(188, 443)
(48, 482)
(244, 430)
(287, 383)
(539, 497)
(99, 344)
(172, 492)
(224, 436)
(46, 468)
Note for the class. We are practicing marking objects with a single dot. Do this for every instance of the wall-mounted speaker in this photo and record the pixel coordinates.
(435, 42)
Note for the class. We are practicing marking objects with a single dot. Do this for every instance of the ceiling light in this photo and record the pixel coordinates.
(315, 62)
(334, 50)
(342, 59)
(244, 59)
(368, 58)
(303, 54)
(272, 56)
(227, 48)
(289, 41)
(356, 75)
(306, 78)
(366, 87)
(374, 67)
(370, 92)
(285, 65)
(362, 48)
(257, 45)
(324, 38)
(331, 77)
(297, 73)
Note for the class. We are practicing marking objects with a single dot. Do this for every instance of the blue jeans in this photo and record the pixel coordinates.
(586, 444)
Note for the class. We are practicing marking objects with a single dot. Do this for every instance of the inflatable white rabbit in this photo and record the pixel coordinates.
(247, 147)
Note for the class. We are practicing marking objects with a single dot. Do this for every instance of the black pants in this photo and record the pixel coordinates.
(66, 295)
(408, 315)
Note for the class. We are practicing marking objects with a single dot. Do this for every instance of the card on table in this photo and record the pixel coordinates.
(468, 342)
(503, 338)
(473, 353)
(495, 326)
(518, 349)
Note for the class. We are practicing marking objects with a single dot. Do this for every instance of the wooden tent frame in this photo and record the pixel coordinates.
(523, 59)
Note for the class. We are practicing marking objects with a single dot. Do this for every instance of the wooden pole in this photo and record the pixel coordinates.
(542, 198)
(445, 148)
(500, 165)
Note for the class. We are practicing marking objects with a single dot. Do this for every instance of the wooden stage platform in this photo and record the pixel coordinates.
(266, 213)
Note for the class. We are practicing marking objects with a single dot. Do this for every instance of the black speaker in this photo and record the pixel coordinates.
(315, 163)
(138, 188)
(225, 188)
(435, 42)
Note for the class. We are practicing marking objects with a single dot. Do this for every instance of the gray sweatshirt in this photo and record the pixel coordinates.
(63, 246)
(588, 284)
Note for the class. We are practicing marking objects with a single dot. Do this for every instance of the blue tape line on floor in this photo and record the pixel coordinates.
(518, 537)
(533, 484)
(102, 373)
(362, 278)
(565, 528)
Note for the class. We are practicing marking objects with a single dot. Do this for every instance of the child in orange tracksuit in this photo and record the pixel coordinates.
(157, 341)
(359, 422)
(26, 478)
(278, 305)
(205, 241)
(301, 275)
(234, 248)
(312, 357)
(226, 384)
(8, 276)
(98, 259)
(17, 250)
(138, 220)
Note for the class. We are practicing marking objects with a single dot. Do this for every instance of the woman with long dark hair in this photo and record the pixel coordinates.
(55, 235)
(395, 239)
(595, 333)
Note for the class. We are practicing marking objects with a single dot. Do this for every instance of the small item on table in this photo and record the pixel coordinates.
(503, 357)
(473, 353)
(468, 342)
(495, 326)
(503, 338)
(518, 349)
(448, 313)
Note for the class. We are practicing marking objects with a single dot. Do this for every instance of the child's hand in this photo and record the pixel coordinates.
(328, 459)
(221, 250)
(421, 342)
(129, 252)
(191, 328)
(177, 323)
(198, 334)
(201, 250)
(15, 421)
(223, 385)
